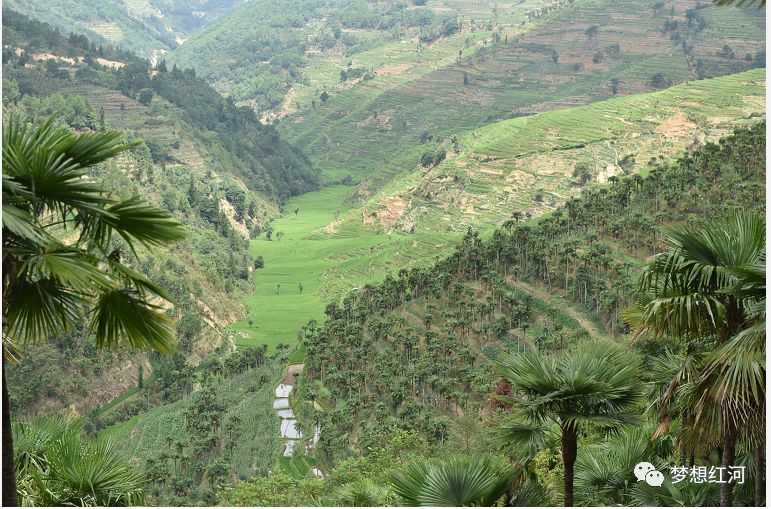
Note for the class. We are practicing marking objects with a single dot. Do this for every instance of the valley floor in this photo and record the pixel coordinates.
(309, 251)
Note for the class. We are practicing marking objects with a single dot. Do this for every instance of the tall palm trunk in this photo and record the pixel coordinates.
(9, 477)
(760, 481)
(728, 460)
(569, 453)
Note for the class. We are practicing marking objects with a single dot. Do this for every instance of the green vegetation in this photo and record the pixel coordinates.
(51, 285)
(709, 291)
(57, 466)
(148, 28)
(270, 43)
(476, 253)
(313, 255)
(444, 321)
(191, 441)
(598, 384)
(196, 174)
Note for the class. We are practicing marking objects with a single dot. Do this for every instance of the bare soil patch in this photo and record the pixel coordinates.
(675, 125)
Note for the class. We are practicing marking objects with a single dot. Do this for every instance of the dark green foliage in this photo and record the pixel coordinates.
(199, 440)
(583, 172)
(145, 95)
(57, 466)
(433, 157)
(574, 251)
(658, 80)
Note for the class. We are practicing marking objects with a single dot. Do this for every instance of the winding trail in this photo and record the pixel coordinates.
(553, 301)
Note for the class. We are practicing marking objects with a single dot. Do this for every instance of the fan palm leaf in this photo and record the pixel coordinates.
(455, 482)
(57, 466)
(709, 288)
(60, 268)
(593, 386)
(362, 493)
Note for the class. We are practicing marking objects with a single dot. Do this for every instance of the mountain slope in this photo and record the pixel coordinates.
(213, 165)
(147, 27)
(347, 236)
(413, 353)
(372, 130)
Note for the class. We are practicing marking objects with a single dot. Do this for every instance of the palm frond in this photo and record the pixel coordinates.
(133, 219)
(454, 482)
(362, 493)
(122, 318)
(41, 309)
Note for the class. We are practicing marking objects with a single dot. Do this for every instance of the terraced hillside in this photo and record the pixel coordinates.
(190, 170)
(528, 164)
(580, 53)
(277, 56)
(335, 243)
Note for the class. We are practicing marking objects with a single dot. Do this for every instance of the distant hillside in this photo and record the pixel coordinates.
(147, 27)
(213, 165)
(263, 48)
(534, 163)
(580, 53)
(256, 152)
(413, 352)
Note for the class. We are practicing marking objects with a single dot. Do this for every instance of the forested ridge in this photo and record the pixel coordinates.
(414, 352)
(257, 153)
(201, 158)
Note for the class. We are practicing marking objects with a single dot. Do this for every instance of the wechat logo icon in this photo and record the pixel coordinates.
(645, 471)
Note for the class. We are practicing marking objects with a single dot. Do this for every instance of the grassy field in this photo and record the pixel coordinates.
(327, 264)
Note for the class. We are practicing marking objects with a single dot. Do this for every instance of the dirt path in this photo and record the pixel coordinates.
(290, 372)
(552, 301)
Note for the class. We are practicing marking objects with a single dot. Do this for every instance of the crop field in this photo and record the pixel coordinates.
(327, 263)
(151, 433)
(526, 163)
(371, 130)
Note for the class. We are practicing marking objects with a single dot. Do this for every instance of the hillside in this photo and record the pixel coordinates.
(419, 238)
(338, 241)
(528, 164)
(148, 27)
(372, 130)
(413, 352)
(276, 56)
(192, 164)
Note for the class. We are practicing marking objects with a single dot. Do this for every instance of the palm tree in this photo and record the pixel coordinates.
(57, 466)
(593, 385)
(67, 249)
(454, 482)
(362, 493)
(602, 469)
(710, 284)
